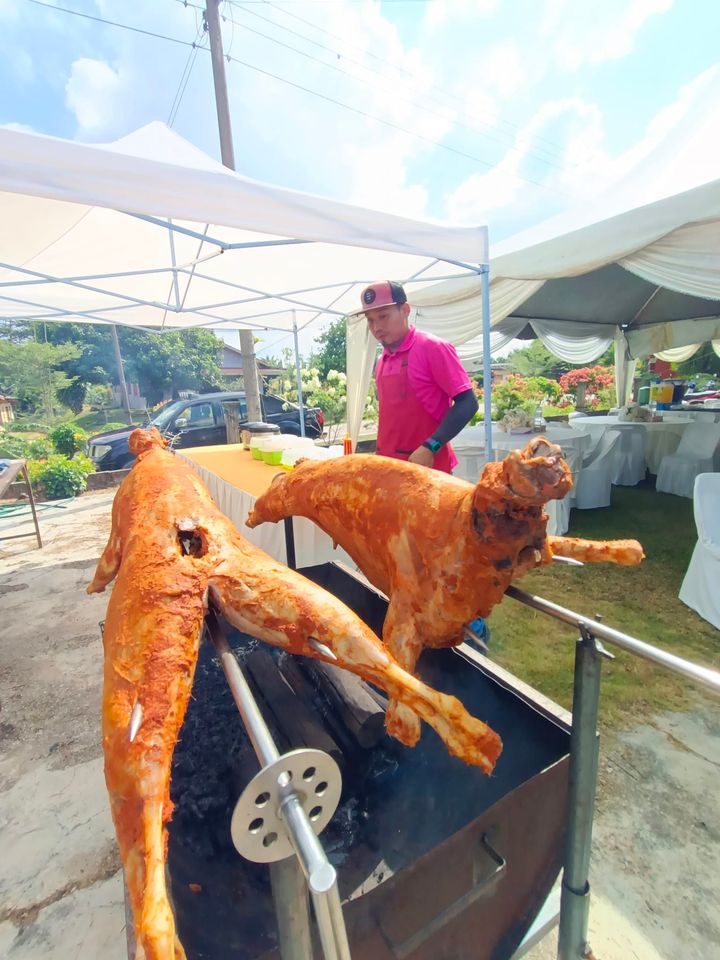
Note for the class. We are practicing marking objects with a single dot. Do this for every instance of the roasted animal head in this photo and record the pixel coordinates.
(142, 440)
(533, 475)
(507, 504)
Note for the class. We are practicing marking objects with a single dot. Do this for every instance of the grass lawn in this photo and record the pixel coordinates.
(642, 601)
(94, 421)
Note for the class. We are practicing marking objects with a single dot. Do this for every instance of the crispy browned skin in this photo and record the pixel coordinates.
(442, 550)
(151, 638)
(627, 553)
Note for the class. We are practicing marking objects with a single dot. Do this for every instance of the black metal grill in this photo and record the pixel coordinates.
(435, 859)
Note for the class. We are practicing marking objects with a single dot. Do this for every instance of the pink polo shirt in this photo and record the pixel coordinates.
(434, 370)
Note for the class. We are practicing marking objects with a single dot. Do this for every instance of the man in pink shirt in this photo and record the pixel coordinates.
(424, 393)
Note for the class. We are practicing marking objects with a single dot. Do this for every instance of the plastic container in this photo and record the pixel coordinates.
(643, 397)
(274, 447)
(290, 457)
(662, 394)
(256, 429)
(258, 444)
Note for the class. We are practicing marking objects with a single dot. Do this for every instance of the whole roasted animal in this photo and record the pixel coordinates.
(443, 551)
(171, 551)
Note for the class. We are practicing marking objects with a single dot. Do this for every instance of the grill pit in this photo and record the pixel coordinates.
(419, 839)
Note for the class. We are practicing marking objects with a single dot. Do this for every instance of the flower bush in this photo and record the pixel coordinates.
(520, 393)
(61, 476)
(594, 378)
(329, 394)
(591, 386)
(68, 438)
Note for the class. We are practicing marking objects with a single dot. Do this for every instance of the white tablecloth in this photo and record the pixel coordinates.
(560, 433)
(660, 438)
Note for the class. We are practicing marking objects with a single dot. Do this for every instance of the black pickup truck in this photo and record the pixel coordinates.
(200, 422)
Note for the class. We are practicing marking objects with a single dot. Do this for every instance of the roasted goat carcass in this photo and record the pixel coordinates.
(442, 550)
(171, 549)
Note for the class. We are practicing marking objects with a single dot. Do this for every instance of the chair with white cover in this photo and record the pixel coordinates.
(693, 456)
(699, 589)
(558, 511)
(595, 481)
(630, 456)
(471, 460)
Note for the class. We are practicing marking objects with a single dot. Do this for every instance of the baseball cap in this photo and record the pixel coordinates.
(384, 293)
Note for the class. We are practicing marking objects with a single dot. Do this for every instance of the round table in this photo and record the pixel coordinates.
(573, 441)
(661, 438)
(469, 445)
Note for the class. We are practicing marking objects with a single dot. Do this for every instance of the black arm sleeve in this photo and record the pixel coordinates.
(464, 407)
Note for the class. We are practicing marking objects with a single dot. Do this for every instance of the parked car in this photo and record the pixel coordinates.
(200, 422)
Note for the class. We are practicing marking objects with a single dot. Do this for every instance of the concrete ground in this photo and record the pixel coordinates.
(656, 854)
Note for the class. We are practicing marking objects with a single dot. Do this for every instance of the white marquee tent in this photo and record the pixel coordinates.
(639, 266)
(152, 233)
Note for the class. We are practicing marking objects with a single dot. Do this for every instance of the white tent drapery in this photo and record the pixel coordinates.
(152, 233)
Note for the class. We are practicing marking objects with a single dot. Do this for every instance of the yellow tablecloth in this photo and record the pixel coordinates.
(235, 481)
(234, 465)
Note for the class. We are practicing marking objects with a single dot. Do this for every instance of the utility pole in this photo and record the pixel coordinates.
(121, 373)
(227, 155)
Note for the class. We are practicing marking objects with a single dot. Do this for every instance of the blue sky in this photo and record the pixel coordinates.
(471, 111)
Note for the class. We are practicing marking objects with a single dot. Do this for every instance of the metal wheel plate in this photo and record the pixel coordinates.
(257, 827)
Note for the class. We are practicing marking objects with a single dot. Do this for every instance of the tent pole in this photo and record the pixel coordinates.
(298, 374)
(487, 363)
(227, 154)
(121, 373)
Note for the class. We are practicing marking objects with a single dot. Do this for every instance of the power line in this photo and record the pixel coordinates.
(508, 137)
(411, 100)
(184, 79)
(291, 83)
(315, 26)
(111, 23)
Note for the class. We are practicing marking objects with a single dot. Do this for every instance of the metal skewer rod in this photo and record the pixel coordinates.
(703, 675)
(319, 872)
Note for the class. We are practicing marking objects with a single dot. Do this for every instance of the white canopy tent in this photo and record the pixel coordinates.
(639, 266)
(152, 233)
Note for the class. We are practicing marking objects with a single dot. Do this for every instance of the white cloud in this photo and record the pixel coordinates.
(676, 151)
(519, 184)
(439, 12)
(92, 92)
(20, 127)
(577, 34)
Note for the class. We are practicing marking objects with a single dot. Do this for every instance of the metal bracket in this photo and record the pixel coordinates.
(587, 637)
(258, 829)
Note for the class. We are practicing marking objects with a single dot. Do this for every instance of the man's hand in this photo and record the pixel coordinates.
(423, 456)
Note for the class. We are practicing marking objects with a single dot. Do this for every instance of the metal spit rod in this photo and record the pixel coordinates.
(703, 675)
(575, 894)
(319, 872)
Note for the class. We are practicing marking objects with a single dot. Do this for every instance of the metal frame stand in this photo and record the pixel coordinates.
(6, 478)
(584, 751)
(582, 788)
(289, 891)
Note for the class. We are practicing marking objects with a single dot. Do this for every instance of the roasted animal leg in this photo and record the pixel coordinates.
(171, 549)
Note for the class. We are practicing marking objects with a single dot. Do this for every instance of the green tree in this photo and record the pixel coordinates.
(159, 363)
(332, 352)
(535, 360)
(33, 373)
(170, 362)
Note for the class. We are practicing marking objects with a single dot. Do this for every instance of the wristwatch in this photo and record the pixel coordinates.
(432, 445)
